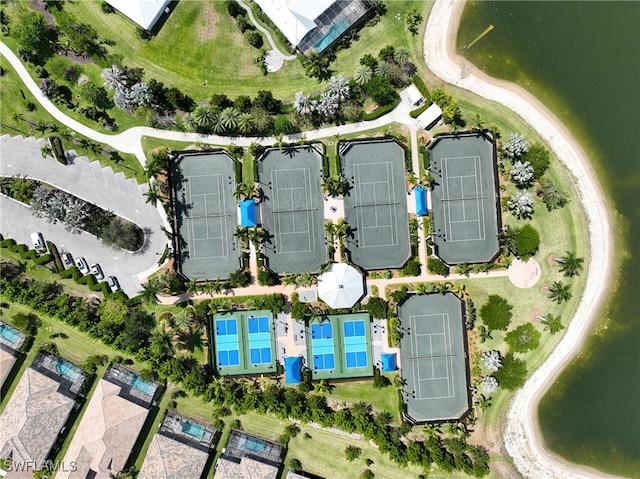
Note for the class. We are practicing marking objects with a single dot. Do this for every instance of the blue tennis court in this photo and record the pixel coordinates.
(355, 344)
(323, 347)
(259, 340)
(321, 331)
(227, 342)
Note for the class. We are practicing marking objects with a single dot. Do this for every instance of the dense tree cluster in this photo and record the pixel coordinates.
(496, 313)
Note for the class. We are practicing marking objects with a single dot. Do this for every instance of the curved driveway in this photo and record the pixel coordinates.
(91, 182)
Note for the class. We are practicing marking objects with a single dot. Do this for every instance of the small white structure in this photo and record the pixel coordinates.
(341, 286)
(430, 117)
(413, 95)
(294, 18)
(143, 12)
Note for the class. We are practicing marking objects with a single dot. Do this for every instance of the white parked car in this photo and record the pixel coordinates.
(113, 284)
(67, 259)
(82, 265)
(38, 242)
(96, 270)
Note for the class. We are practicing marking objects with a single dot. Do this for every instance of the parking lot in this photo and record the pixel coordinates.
(93, 183)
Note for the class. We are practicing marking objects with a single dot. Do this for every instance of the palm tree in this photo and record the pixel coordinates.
(401, 55)
(245, 122)
(242, 235)
(203, 116)
(255, 235)
(570, 264)
(280, 143)
(559, 292)
(217, 125)
(483, 402)
(315, 65)
(161, 343)
(189, 122)
(492, 360)
(22, 188)
(182, 320)
(477, 122)
(552, 323)
(485, 334)
(507, 240)
(152, 195)
(342, 229)
(150, 290)
(464, 268)
(192, 286)
(323, 386)
(329, 230)
(229, 118)
(383, 69)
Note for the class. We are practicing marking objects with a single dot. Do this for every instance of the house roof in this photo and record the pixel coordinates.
(245, 468)
(7, 360)
(106, 434)
(294, 18)
(33, 417)
(168, 458)
(143, 12)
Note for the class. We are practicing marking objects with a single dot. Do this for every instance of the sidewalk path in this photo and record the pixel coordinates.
(275, 58)
(521, 436)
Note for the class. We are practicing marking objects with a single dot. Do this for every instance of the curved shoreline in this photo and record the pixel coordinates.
(521, 434)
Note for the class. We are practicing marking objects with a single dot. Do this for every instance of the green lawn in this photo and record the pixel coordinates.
(15, 120)
(385, 399)
(208, 44)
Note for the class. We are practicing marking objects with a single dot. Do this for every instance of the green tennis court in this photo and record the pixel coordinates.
(243, 343)
(339, 346)
(292, 211)
(434, 359)
(465, 199)
(205, 215)
(376, 206)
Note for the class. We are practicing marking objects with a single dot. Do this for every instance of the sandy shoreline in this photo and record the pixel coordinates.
(520, 432)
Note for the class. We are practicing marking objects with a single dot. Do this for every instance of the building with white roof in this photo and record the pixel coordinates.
(314, 24)
(143, 12)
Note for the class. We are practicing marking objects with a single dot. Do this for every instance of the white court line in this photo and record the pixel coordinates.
(221, 221)
(360, 210)
(447, 200)
(279, 234)
(446, 332)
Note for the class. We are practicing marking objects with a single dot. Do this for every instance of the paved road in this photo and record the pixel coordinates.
(91, 182)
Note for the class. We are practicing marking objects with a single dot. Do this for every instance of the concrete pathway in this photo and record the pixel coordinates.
(274, 57)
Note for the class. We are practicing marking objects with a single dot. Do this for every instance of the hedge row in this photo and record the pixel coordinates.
(24, 251)
(418, 111)
(380, 111)
(57, 261)
(422, 88)
(58, 150)
(88, 280)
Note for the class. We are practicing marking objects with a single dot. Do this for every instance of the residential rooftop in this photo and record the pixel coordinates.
(110, 426)
(37, 411)
(179, 450)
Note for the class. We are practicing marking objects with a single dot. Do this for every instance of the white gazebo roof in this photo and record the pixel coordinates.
(341, 286)
(143, 12)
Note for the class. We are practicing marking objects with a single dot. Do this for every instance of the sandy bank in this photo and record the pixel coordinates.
(521, 435)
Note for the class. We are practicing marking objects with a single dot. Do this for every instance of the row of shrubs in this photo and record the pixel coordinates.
(24, 251)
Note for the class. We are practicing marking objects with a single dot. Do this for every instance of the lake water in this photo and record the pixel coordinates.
(582, 59)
